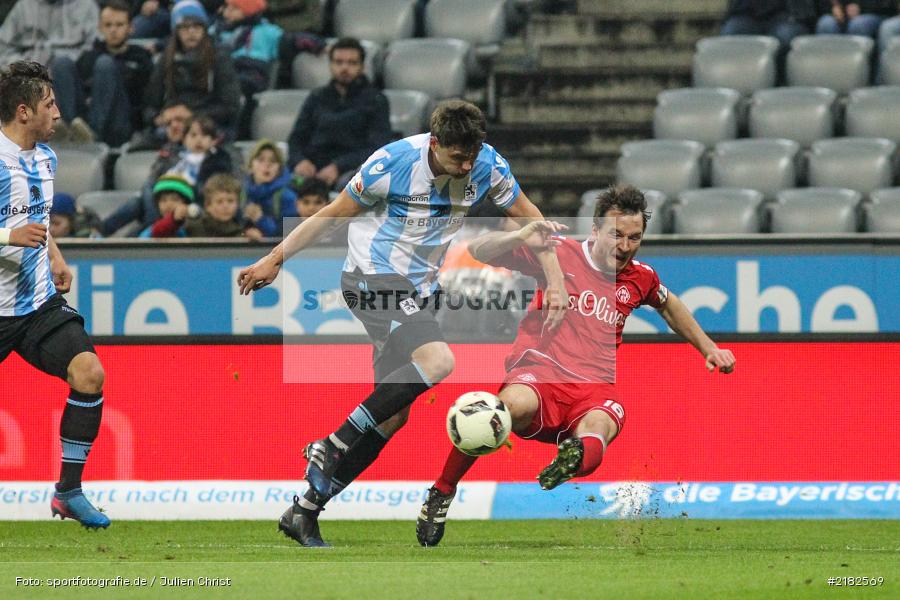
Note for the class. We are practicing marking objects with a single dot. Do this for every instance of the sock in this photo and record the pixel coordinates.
(77, 432)
(358, 459)
(396, 392)
(310, 500)
(457, 465)
(594, 446)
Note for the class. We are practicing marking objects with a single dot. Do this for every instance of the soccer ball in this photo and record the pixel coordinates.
(478, 423)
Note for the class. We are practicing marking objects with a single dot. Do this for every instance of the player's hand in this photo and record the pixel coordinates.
(33, 235)
(539, 234)
(723, 359)
(328, 174)
(62, 275)
(259, 275)
(253, 234)
(556, 300)
(852, 11)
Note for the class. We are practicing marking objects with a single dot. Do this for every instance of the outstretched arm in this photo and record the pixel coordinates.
(683, 323)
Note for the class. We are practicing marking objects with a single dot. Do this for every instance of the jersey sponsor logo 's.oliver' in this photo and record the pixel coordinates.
(588, 304)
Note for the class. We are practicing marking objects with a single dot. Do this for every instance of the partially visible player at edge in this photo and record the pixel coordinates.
(422, 185)
(559, 387)
(35, 321)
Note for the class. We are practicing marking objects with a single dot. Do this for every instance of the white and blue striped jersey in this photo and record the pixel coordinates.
(415, 215)
(26, 195)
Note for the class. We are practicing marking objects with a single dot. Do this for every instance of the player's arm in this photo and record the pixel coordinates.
(536, 235)
(266, 269)
(684, 324)
(62, 276)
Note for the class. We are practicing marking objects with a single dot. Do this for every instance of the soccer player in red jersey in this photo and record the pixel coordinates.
(559, 386)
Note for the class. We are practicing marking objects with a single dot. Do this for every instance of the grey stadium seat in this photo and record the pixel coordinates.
(711, 214)
(882, 215)
(104, 203)
(383, 21)
(838, 62)
(765, 165)
(705, 115)
(815, 210)
(409, 110)
(275, 113)
(484, 25)
(309, 71)
(670, 166)
(874, 112)
(802, 114)
(890, 62)
(412, 65)
(742, 62)
(80, 169)
(730, 195)
(132, 169)
(656, 204)
(861, 164)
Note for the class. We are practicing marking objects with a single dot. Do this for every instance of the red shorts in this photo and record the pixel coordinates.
(562, 405)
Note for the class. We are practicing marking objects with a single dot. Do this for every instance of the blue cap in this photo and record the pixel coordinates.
(63, 204)
(188, 10)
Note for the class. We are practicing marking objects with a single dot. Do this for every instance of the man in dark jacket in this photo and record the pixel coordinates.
(113, 74)
(341, 123)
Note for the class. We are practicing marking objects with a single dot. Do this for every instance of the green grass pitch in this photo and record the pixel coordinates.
(478, 559)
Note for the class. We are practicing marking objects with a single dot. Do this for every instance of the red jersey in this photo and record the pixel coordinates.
(583, 346)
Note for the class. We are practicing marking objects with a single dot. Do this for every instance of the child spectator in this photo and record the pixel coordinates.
(69, 220)
(200, 157)
(312, 196)
(174, 198)
(267, 193)
(220, 217)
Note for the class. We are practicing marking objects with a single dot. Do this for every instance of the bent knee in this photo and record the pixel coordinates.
(85, 374)
(436, 363)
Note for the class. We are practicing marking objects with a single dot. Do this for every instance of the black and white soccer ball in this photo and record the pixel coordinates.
(478, 423)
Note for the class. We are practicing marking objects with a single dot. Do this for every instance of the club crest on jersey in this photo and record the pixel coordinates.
(623, 295)
(471, 192)
(35, 193)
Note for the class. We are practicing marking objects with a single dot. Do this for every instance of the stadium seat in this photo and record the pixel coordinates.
(745, 196)
(656, 204)
(706, 115)
(815, 210)
(484, 25)
(882, 215)
(670, 166)
(874, 112)
(890, 62)
(382, 22)
(275, 113)
(80, 169)
(837, 62)
(765, 165)
(309, 71)
(412, 65)
(745, 63)
(802, 114)
(408, 111)
(104, 203)
(132, 169)
(715, 214)
(861, 164)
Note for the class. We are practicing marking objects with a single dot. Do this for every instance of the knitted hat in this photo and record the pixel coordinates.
(188, 10)
(248, 7)
(174, 183)
(63, 204)
(266, 145)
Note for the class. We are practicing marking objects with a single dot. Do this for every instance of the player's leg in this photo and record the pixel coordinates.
(522, 403)
(582, 453)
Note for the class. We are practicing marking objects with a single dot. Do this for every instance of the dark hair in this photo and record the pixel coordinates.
(311, 186)
(22, 82)
(203, 66)
(458, 124)
(207, 125)
(347, 43)
(627, 199)
(119, 5)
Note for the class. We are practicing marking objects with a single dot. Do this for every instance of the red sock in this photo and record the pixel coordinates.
(456, 466)
(593, 455)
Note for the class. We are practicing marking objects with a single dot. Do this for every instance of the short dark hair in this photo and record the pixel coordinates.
(22, 82)
(311, 186)
(347, 43)
(627, 199)
(119, 5)
(458, 124)
(206, 123)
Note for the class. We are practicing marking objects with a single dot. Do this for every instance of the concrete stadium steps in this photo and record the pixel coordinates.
(560, 196)
(578, 165)
(652, 9)
(562, 140)
(578, 84)
(585, 29)
(525, 111)
(648, 59)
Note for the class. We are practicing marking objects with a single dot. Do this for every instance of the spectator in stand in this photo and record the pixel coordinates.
(174, 197)
(782, 19)
(192, 75)
(253, 43)
(860, 17)
(341, 123)
(112, 75)
(53, 33)
(268, 196)
(220, 216)
(69, 220)
(201, 156)
(312, 196)
(151, 19)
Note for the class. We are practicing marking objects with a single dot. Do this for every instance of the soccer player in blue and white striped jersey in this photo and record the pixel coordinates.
(35, 321)
(407, 202)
